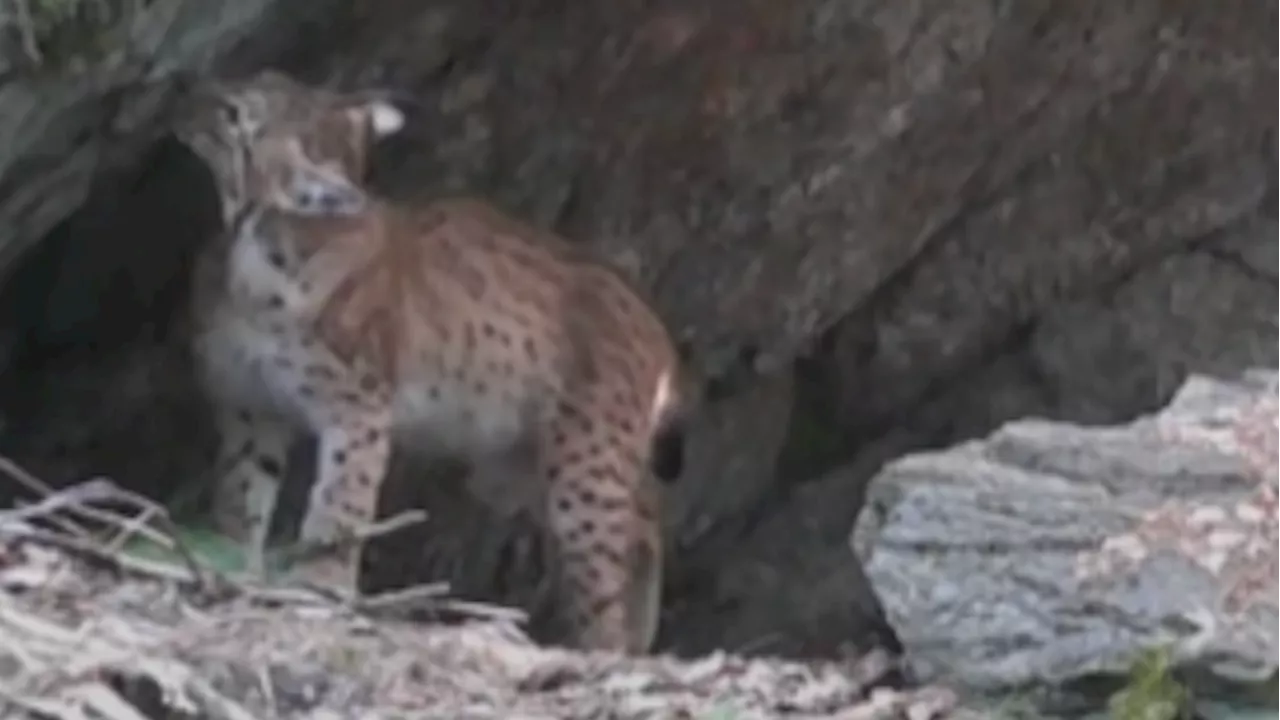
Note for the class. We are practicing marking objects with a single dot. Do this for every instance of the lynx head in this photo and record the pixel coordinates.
(273, 140)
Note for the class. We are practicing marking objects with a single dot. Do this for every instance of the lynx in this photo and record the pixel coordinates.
(434, 327)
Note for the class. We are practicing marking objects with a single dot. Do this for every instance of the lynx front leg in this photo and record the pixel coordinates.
(352, 459)
(603, 521)
(250, 466)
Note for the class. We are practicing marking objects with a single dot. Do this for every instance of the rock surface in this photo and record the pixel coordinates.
(96, 97)
(956, 213)
(1047, 552)
(1076, 136)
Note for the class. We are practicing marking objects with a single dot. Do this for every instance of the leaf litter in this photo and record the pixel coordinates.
(88, 630)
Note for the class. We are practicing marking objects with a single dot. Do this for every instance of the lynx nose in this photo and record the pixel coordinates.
(326, 196)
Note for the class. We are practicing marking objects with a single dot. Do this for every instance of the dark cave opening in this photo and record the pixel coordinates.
(91, 311)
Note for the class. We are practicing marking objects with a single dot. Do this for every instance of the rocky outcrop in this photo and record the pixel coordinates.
(85, 92)
(890, 224)
(1048, 554)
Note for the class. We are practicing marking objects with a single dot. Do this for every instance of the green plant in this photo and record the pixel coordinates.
(1152, 692)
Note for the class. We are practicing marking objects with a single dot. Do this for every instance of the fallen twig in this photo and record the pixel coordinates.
(96, 490)
(401, 598)
(94, 552)
(169, 540)
(307, 550)
(78, 498)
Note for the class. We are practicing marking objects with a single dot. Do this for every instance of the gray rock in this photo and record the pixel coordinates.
(1048, 552)
(81, 108)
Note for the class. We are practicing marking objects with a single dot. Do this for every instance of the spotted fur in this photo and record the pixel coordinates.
(441, 327)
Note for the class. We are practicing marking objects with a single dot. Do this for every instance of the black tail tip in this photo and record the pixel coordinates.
(667, 453)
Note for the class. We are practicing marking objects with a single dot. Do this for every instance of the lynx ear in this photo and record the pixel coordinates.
(385, 118)
(382, 117)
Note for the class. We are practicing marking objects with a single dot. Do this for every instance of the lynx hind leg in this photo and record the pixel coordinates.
(250, 468)
(602, 517)
(645, 567)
